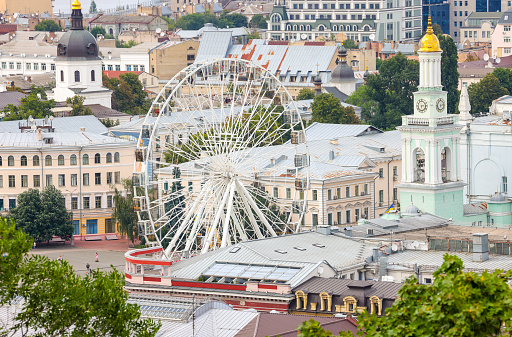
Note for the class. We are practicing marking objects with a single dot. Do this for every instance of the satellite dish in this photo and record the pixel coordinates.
(372, 37)
(394, 248)
(486, 57)
(162, 34)
(304, 36)
(498, 60)
(158, 30)
(51, 118)
(415, 244)
(320, 270)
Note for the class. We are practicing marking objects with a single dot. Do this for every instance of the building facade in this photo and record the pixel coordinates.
(115, 24)
(170, 57)
(502, 35)
(398, 20)
(26, 6)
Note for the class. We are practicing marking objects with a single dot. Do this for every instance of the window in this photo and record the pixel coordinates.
(505, 184)
(10, 161)
(87, 203)
(288, 193)
(11, 65)
(109, 178)
(357, 190)
(18, 65)
(28, 66)
(338, 217)
(109, 226)
(77, 76)
(381, 196)
(97, 158)
(347, 216)
(347, 192)
(86, 179)
(276, 192)
(23, 160)
(60, 160)
(48, 160)
(62, 180)
(395, 193)
(381, 173)
(93, 76)
(109, 157)
(315, 194)
(72, 159)
(85, 159)
(118, 67)
(4, 65)
(97, 178)
(35, 160)
(116, 157)
(52, 66)
(506, 50)
(506, 39)
(92, 226)
(12, 203)
(315, 219)
(365, 189)
(329, 194)
(74, 203)
(0, 161)
(109, 201)
(357, 215)
(329, 219)
(97, 201)
(454, 13)
(110, 67)
(37, 181)
(117, 177)
(128, 67)
(74, 180)
(49, 180)
(24, 181)
(12, 181)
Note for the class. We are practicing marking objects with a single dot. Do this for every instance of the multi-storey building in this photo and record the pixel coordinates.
(84, 165)
(440, 14)
(115, 24)
(479, 27)
(501, 37)
(459, 11)
(396, 20)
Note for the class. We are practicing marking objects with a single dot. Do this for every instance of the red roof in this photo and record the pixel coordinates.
(4, 29)
(116, 73)
(314, 43)
(277, 43)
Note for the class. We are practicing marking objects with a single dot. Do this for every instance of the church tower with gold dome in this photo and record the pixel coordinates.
(431, 178)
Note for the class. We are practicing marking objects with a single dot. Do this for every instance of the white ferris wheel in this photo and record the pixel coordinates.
(221, 158)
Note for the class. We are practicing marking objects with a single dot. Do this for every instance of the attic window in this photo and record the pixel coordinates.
(300, 248)
(506, 17)
(234, 249)
(382, 150)
(319, 245)
(48, 140)
(280, 251)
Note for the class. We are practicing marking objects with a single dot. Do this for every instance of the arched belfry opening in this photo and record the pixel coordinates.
(418, 156)
(446, 164)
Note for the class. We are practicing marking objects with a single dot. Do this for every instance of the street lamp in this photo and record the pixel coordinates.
(79, 221)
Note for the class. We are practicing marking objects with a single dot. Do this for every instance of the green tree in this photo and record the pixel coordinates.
(48, 26)
(350, 44)
(254, 35)
(449, 71)
(482, 94)
(123, 212)
(31, 105)
(58, 302)
(93, 9)
(77, 106)
(109, 123)
(505, 77)
(129, 95)
(363, 99)
(42, 215)
(258, 21)
(436, 28)
(305, 93)
(236, 19)
(326, 108)
(98, 30)
(196, 21)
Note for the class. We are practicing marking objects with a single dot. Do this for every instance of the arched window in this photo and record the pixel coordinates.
(325, 301)
(446, 164)
(97, 158)
(109, 157)
(62, 75)
(0, 161)
(23, 160)
(85, 159)
(354, 28)
(48, 160)
(93, 76)
(301, 27)
(60, 160)
(366, 28)
(376, 303)
(276, 18)
(341, 28)
(348, 28)
(294, 27)
(77, 76)
(301, 299)
(321, 28)
(308, 27)
(419, 165)
(111, 31)
(72, 159)
(10, 161)
(335, 28)
(35, 160)
(288, 27)
(116, 157)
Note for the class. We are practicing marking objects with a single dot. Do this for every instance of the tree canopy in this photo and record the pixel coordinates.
(350, 44)
(457, 304)
(31, 105)
(77, 106)
(326, 108)
(42, 215)
(196, 21)
(306, 93)
(449, 71)
(123, 212)
(48, 26)
(92, 8)
(129, 95)
(59, 302)
(259, 21)
(482, 94)
(504, 75)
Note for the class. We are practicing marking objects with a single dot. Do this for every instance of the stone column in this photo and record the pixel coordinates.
(428, 161)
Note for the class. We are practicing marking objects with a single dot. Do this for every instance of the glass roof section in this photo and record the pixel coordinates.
(252, 272)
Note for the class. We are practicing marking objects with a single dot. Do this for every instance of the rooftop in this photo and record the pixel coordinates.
(105, 19)
(10, 97)
(31, 139)
(62, 124)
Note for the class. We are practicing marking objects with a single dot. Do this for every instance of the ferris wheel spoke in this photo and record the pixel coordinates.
(219, 211)
(228, 214)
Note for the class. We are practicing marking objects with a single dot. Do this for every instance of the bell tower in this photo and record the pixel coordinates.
(431, 177)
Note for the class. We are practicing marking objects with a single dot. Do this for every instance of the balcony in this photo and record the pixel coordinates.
(430, 121)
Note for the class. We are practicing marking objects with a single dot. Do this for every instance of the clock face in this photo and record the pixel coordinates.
(440, 105)
(421, 105)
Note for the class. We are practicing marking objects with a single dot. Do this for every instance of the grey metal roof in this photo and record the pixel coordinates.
(336, 92)
(387, 290)
(106, 19)
(381, 226)
(63, 124)
(10, 97)
(319, 131)
(475, 208)
(506, 18)
(214, 44)
(434, 259)
(30, 139)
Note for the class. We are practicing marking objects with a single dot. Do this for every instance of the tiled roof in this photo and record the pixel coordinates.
(117, 73)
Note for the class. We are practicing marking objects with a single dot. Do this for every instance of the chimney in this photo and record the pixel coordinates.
(331, 154)
(324, 229)
(375, 254)
(39, 134)
(480, 247)
(82, 129)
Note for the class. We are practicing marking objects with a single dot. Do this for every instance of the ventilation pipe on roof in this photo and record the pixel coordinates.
(324, 229)
(383, 267)
(82, 129)
(480, 247)
(331, 155)
(39, 134)
(375, 254)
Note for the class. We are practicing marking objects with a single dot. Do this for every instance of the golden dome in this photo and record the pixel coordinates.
(76, 5)
(429, 42)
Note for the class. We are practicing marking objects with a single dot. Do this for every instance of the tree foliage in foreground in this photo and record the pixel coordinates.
(482, 94)
(58, 302)
(326, 108)
(31, 105)
(129, 95)
(457, 304)
(42, 215)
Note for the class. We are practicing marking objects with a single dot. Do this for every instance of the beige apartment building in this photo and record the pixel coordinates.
(26, 6)
(84, 166)
(170, 57)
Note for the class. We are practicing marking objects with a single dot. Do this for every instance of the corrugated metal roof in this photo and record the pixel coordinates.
(475, 208)
(30, 139)
(214, 44)
(318, 131)
(167, 44)
(63, 124)
(10, 97)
